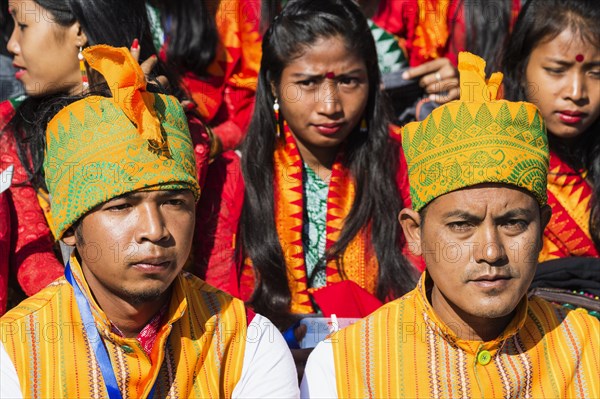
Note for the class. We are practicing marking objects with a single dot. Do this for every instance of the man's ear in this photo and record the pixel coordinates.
(545, 215)
(69, 237)
(410, 221)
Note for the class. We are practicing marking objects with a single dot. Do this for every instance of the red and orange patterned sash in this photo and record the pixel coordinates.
(359, 260)
(569, 195)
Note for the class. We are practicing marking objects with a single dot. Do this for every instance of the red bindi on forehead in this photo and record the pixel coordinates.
(330, 75)
(579, 58)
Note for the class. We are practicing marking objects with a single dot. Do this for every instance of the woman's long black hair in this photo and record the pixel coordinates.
(542, 20)
(372, 158)
(113, 22)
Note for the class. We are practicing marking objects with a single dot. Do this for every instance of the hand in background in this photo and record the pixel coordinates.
(439, 79)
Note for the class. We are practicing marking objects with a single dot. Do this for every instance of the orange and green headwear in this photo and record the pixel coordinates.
(475, 140)
(99, 148)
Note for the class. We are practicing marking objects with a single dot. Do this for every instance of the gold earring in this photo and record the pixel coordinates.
(277, 121)
(363, 126)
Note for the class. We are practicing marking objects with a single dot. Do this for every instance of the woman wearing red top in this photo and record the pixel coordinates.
(313, 198)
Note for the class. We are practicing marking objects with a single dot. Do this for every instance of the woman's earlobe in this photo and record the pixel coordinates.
(81, 39)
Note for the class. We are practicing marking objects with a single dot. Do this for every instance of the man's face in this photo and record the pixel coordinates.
(132, 247)
(480, 247)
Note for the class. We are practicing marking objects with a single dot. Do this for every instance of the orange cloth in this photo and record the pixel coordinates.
(359, 260)
(404, 350)
(198, 352)
(225, 98)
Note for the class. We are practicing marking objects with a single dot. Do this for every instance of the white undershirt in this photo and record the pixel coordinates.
(319, 373)
(268, 370)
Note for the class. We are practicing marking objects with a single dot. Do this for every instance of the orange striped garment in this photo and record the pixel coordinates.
(198, 352)
(403, 350)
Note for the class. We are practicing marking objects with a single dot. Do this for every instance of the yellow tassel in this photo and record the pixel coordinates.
(363, 126)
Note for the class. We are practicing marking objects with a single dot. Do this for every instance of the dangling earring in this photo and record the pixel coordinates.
(84, 77)
(363, 126)
(276, 112)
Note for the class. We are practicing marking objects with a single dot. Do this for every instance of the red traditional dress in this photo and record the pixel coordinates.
(218, 256)
(225, 98)
(4, 251)
(31, 255)
(427, 26)
(569, 196)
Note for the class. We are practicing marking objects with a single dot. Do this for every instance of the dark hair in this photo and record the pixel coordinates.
(6, 26)
(113, 22)
(268, 10)
(191, 34)
(540, 21)
(487, 29)
(372, 158)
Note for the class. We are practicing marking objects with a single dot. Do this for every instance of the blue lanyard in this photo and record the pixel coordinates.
(95, 341)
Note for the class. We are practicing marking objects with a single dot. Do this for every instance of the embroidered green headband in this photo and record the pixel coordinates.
(476, 139)
(99, 148)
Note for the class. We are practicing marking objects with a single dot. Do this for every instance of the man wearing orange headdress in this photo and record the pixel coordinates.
(477, 169)
(125, 321)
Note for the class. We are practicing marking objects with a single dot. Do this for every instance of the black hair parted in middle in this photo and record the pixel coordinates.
(372, 158)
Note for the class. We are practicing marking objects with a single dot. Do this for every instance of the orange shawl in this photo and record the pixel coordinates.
(359, 260)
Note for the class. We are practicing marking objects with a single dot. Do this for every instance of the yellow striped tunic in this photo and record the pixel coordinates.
(404, 350)
(198, 351)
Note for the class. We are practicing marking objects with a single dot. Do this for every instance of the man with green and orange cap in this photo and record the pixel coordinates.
(477, 171)
(125, 321)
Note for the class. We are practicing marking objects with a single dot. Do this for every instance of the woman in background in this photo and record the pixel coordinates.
(313, 198)
(215, 46)
(553, 61)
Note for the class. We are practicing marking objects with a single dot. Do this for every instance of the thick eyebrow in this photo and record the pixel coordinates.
(122, 196)
(516, 213)
(460, 214)
(566, 63)
(135, 194)
(511, 214)
(560, 61)
(300, 75)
